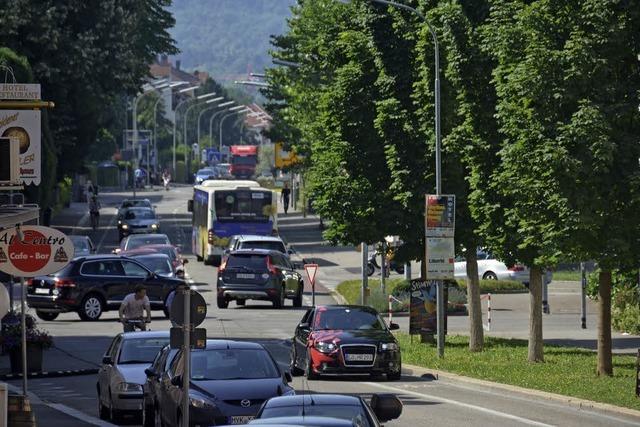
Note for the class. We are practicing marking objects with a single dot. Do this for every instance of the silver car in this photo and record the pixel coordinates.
(490, 268)
(121, 375)
(82, 245)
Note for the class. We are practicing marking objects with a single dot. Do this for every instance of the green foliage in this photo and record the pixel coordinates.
(568, 371)
(497, 286)
(625, 299)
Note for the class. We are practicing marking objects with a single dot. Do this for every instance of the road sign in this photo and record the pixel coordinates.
(198, 309)
(198, 338)
(311, 270)
(30, 251)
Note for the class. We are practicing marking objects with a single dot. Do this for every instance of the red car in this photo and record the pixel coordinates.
(171, 251)
(345, 339)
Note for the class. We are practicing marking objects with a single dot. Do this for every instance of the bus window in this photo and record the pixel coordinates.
(242, 205)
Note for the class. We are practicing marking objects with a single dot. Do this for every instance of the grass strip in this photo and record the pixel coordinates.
(567, 276)
(568, 371)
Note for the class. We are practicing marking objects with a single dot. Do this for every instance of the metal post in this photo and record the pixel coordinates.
(186, 376)
(383, 267)
(23, 338)
(155, 138)
(365, 276)
(583, 296)
(407, 271)
(134, 143)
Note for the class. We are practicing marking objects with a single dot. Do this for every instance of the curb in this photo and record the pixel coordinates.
(51, 374)
(417, 371)
(338, 297)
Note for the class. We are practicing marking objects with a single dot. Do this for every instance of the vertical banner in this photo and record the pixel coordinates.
(423, 316)
(24, 125)
(440, 216)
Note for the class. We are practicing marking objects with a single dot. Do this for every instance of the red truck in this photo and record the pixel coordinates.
(244, 159)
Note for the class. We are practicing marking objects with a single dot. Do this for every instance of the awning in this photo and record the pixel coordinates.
(12, 215)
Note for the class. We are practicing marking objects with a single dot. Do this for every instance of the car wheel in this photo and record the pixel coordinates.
(103, 411)
(278, 301)
(222, 302)
(297, 300)
(45, 315)
(241, 302)
(293, 367)
(394, 376)
(490, 275)
(114, 414)
(148, 416)
(91, 307)
(308, 372)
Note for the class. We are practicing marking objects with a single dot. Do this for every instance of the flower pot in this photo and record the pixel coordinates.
(34, 358)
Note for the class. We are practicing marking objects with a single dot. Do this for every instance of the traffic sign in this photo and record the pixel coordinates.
(30, 251)
(311, 270)
(198, 309)
(198, 338)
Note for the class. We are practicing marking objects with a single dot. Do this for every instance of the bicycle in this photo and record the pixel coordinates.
(95, 220)
(130, 325)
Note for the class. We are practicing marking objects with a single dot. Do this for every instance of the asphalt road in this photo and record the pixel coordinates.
(426, 402)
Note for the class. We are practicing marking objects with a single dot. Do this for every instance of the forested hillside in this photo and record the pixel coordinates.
(227, 37)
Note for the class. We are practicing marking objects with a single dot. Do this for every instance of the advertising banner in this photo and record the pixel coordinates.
(38, 252)
(422, 310)
(440, 258)
(24, 125)
(440, 215)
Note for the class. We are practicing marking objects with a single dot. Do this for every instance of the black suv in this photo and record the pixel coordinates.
(94, 284)
(260, 275)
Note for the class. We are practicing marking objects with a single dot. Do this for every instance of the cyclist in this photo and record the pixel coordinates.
(94, 211)
(284, 195)
(132, 310)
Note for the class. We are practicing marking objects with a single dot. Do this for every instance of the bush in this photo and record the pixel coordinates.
(625, 299)
(497, 286)
(12, 332)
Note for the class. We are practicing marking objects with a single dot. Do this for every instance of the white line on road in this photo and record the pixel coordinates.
(79, 415)
(462, 404)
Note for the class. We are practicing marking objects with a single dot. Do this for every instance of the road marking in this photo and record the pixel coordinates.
(462, 404)
(79, 415)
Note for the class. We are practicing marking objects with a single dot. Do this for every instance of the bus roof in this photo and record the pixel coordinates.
(228, 183)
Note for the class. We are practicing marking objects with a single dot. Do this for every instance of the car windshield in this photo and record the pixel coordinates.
(232, 364)
(348, 319)
(157, 264)
(355, 414)
(264, 244)
(249, 262)
(81, 245)
(140, 350)
(149, 239)
(139, 214)
(135, 203)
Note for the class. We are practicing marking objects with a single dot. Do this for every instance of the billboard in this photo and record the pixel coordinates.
(24, 125)
(423, 317)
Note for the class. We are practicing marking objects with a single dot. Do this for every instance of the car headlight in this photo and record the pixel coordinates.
(325, 347)
(200, 403)
(129, 387)
(119, 222)
(154, 226)
(125, 226)
(389, 346)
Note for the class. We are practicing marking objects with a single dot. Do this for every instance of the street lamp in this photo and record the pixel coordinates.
(211, 101)
(184, 125)
(232, 111)
(216, 114)
(440, 295)
(175, 120)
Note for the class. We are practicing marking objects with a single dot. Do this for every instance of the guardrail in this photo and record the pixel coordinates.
(391, 300)
(487, 297)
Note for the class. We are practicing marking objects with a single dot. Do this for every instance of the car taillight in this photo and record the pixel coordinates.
(30, 282)
(517, 268)
(272, 268)
(210, 237)
(223, 265)
(64, 283)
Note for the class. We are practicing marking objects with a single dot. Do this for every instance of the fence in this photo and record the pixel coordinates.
(391, 300)
(487, 297)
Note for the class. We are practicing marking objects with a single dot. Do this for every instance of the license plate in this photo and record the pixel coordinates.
(241, 419)
(245, 276)
(359, 357)
(42, 291)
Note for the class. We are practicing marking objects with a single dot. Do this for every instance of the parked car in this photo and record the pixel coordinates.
(204, 174)
(260, 275)
(135, 203)
(230, 381)
(158, 263)
(121, 375)
(156, 374)
(490, 268)
(329, 410)
(137, 221)
(254, 241)
(344, 339)
(82, 245)
(136, 241)
(95, 284)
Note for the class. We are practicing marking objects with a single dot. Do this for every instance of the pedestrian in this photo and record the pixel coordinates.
(89, 190)
(171, 297)
(132, 309)
(94, 211)
(284, 196)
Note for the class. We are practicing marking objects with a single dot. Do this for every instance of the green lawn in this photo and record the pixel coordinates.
(567, 371)
(498, 286)
(567, 275)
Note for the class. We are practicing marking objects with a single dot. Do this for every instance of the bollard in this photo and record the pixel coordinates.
(19, 412)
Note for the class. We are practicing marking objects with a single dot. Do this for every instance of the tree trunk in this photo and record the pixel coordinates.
(536, 346)
(605, 363)
(476, 333)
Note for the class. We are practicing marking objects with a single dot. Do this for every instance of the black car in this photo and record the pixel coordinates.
(258, 274)
(156, 374)
(230, 380)
(94, 284)
(329, 410)
(345, 339)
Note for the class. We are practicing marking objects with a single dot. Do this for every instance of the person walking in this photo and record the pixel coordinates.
(94, 211)
(285, 194)
(132, 310)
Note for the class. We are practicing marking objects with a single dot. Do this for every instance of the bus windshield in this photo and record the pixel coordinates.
(245, 205)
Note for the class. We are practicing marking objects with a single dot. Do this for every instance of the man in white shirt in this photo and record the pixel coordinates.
(133, 307)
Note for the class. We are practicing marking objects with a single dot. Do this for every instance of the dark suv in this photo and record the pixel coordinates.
(94, 284)
(260, 275)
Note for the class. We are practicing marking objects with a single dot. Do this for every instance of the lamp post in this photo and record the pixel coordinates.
(440, 284)
(175, 121)
(232, 111)
(216, 114)
(204, 110)
(184, 126)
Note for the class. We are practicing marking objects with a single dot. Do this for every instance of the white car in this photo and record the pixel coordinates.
(490, 268)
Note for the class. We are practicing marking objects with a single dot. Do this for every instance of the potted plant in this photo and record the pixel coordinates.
(38, 340)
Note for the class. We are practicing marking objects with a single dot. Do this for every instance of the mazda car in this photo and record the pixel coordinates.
(344, 339)
(230, 380)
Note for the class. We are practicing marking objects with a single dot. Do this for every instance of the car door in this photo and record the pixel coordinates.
(105, 371)
(137, 274)
(171, 394)
(154, 382)
(301, 336)
(105, 277)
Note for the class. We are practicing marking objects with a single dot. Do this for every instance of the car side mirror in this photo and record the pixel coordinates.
(177, 381)
(291, 251)
(117, 251)
(287, 377)
(387, 407)
(190, 206)
(393, 326)
(107, 360)
(303, 325)
(150, 373)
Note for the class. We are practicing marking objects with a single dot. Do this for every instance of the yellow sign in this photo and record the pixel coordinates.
(285, 159)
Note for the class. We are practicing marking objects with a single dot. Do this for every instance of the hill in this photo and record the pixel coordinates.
(228, 38)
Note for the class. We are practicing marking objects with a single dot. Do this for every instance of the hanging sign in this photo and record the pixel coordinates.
(440, 258)
(38, 251)
(440, 215)
(20, 91)
(24, 125)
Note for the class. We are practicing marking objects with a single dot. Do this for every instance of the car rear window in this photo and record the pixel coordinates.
(263, 244)
(141, 350)
(249, 261)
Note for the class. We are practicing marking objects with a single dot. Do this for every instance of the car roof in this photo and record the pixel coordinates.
(146, 236)
(231, 345)
(257, 237)
(150, 255)
(145, 334)
(315, 421)
(98, 257)
(313, 399)
(255, 252)
(345, 307)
